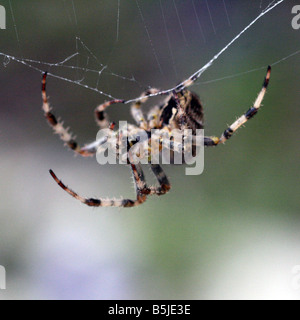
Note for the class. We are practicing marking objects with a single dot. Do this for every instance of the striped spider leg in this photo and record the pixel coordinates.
(137, 112)
(250, 113)
(142, 191)
(125, 203)
(58, 126)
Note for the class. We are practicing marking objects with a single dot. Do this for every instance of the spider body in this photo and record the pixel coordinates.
(182, 109)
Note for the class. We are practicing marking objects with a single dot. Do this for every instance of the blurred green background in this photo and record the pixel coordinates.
(231, 233)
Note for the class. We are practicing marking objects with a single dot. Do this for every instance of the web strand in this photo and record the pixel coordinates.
(66, 63)
(15, 27)
(118, 20)
(210, 17)
(227, 15)
(180, 23)
(198, 73)
(168, 39)
(250, 71)
(149, 37)
(198, 20)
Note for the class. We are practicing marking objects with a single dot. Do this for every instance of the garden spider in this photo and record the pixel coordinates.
(182, 109)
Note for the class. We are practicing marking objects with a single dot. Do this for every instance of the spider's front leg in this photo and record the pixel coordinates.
(58, 126)
(249, 114)
(136, 109)
(100, 114)
(214, 141)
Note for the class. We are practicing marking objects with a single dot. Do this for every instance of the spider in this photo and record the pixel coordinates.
(182, 109)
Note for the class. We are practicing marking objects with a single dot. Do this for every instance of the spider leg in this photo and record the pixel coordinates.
(250, 113)
(100, 114)
(96, 146)
(154, 117)
(214, 141)
(136, 110)
(178, 147)
(187, 83)
(58, 126)
(165, 185)
(141, 190)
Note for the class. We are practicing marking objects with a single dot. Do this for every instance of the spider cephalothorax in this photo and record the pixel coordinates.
(181, 110)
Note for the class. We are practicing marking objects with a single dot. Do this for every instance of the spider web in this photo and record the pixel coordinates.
(84, 68)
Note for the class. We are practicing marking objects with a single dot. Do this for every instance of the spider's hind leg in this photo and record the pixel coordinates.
(141, 190)
(164, 184)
